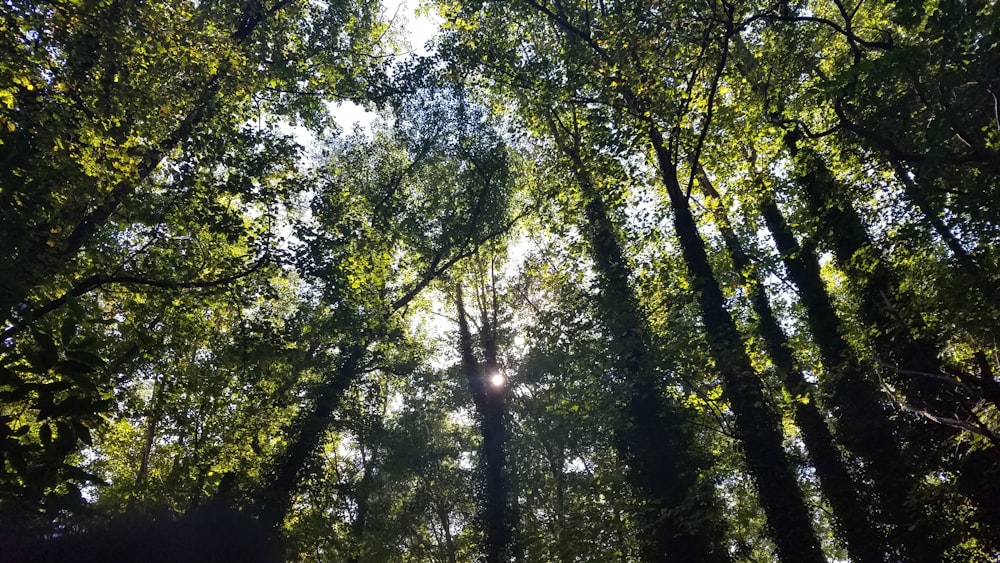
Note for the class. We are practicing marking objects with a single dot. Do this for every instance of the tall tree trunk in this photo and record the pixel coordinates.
(863, 424)
(788, 518)
(449, 543)
(489, 400)
(852, 518)
(152, 422)
(682, 514)
(359, 526)
(914, 361)
(917, 197)
(563, 536)
(965, 265)
(306, 436)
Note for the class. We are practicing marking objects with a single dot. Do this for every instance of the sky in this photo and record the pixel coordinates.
(418, 27)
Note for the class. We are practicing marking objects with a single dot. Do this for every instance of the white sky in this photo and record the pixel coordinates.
(418, 26)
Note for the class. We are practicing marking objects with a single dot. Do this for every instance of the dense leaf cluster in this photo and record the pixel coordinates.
(603, 281)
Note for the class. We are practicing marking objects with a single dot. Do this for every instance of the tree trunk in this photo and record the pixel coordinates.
(965, 266)
(489, 400)
(852, 518)
(682, 514)
(449, 542)
(788, 518)
(863, 424)
(840, 226)
(306, 436)
(155, 412)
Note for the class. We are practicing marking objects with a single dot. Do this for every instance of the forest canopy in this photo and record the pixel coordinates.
(706, 281)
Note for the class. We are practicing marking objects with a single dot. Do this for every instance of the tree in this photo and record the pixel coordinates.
(839, 486)
(132, 161)
(385, 229)
(734, 263)
(486, 385)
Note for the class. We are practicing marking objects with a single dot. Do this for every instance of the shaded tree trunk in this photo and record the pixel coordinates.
(965, 266)
(682, 514)
(914, 360)
(852, 518)
(788, 518)
(863, 424)
(306, 436)
(917, 197)
(489, 400)
(155, 412)
(449, 543)
(359, 526)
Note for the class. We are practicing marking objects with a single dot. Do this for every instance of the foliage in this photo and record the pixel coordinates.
(736, 262)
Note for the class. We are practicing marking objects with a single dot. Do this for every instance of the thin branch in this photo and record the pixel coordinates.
(851, 37)
(978, 429)
(570, 29)
(936, 376)
(709, 111)
(437, 268)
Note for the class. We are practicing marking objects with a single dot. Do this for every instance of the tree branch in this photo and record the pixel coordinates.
(97, 281)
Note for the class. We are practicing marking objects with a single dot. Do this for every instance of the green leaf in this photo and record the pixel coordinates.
(86, 358)
(69, 328)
